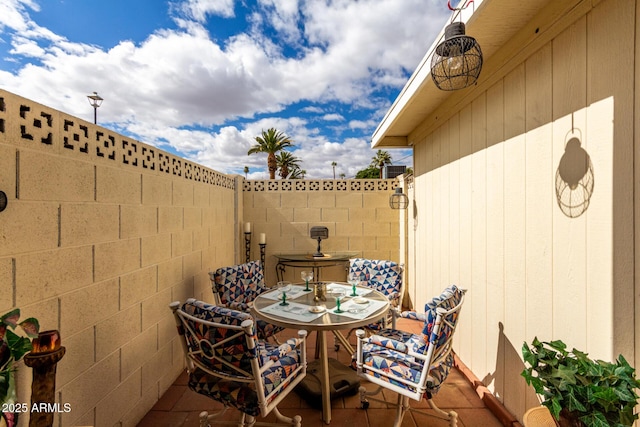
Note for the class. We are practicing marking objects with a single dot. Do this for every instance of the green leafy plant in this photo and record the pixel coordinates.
(593, 392)
(12, 348)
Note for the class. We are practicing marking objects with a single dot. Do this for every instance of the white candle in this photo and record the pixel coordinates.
(263, 238)
(247, 227)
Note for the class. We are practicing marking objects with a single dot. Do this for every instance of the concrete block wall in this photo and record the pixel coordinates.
(100, 233)
(356, 213)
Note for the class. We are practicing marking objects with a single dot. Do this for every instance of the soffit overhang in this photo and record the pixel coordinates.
(494, 24)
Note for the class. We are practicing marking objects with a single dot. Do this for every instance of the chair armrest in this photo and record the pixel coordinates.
(394, 296)
(389, 343)
(268, 360)
(413, 315)
(240, 306)
(288, 346)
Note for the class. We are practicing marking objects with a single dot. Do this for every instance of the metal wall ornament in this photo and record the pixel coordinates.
(457, 61)
(574, 179)
(3, 201)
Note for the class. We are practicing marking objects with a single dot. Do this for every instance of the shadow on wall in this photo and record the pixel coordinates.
(506, 379)
(574, 178)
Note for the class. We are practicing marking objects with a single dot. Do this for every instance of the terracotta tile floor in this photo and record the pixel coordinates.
(180, 406)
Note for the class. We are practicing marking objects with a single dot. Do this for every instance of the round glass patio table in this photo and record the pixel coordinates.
(316, 264)
(264, 308)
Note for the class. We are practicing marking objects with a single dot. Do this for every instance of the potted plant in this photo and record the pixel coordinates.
(12, 348)
(580, 391)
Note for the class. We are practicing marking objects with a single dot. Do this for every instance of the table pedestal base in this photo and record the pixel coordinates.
(343, 381)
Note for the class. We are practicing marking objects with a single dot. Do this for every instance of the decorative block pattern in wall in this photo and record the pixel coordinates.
(318, 185)
(100, 233)
(26, 124)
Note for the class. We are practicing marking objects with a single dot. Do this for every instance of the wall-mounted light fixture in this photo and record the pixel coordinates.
(95, 100)
(398, 200)
(457, 61)
(3, 201)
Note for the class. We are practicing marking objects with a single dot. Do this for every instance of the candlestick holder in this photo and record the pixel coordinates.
(43, 385)
(247, 246)
(263, 250)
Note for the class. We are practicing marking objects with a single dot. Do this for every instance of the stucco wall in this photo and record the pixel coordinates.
(100, 233)
(486, 215)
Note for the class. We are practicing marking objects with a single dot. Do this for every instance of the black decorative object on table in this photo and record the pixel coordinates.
(319, 232)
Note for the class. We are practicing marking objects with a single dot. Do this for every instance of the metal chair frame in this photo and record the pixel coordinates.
(255, 376)
(246, 304)
(416, 390)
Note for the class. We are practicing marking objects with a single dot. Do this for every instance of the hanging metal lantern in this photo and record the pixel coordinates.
(457, 61)
(398, 200)
(574, 179)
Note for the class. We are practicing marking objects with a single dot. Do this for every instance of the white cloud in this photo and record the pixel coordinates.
(199, 9)
(26, 47)
(284, 16)
(176, 84)
(14, 15)
(359, 124)
(333, 117)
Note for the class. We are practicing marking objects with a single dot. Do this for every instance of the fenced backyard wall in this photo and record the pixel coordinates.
(101, 232)
(356, 213)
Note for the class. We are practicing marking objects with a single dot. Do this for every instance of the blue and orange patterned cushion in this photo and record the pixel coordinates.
(237, 354)
(238, 285)
(388, 349)
(383, 276)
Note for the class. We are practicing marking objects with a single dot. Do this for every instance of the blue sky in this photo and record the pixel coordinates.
(203, 78)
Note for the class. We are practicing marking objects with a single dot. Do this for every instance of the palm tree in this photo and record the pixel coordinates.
(246, 171)
(380, 159)
(286, 162)
(342, 175)
(271, 142)
(296, 173)
(333, 165)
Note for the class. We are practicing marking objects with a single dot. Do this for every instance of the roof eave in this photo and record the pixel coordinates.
(492, 23)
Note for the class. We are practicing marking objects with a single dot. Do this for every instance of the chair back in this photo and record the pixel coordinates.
(441, 319)
(413, 365)
(238, 284)
(382, 275)
(218, 340)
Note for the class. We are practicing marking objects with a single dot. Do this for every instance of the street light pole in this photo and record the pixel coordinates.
(95, 100)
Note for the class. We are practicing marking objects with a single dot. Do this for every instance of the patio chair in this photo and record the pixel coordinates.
(237, 286)
(412, 365)
(227, 363)
(383, 276)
